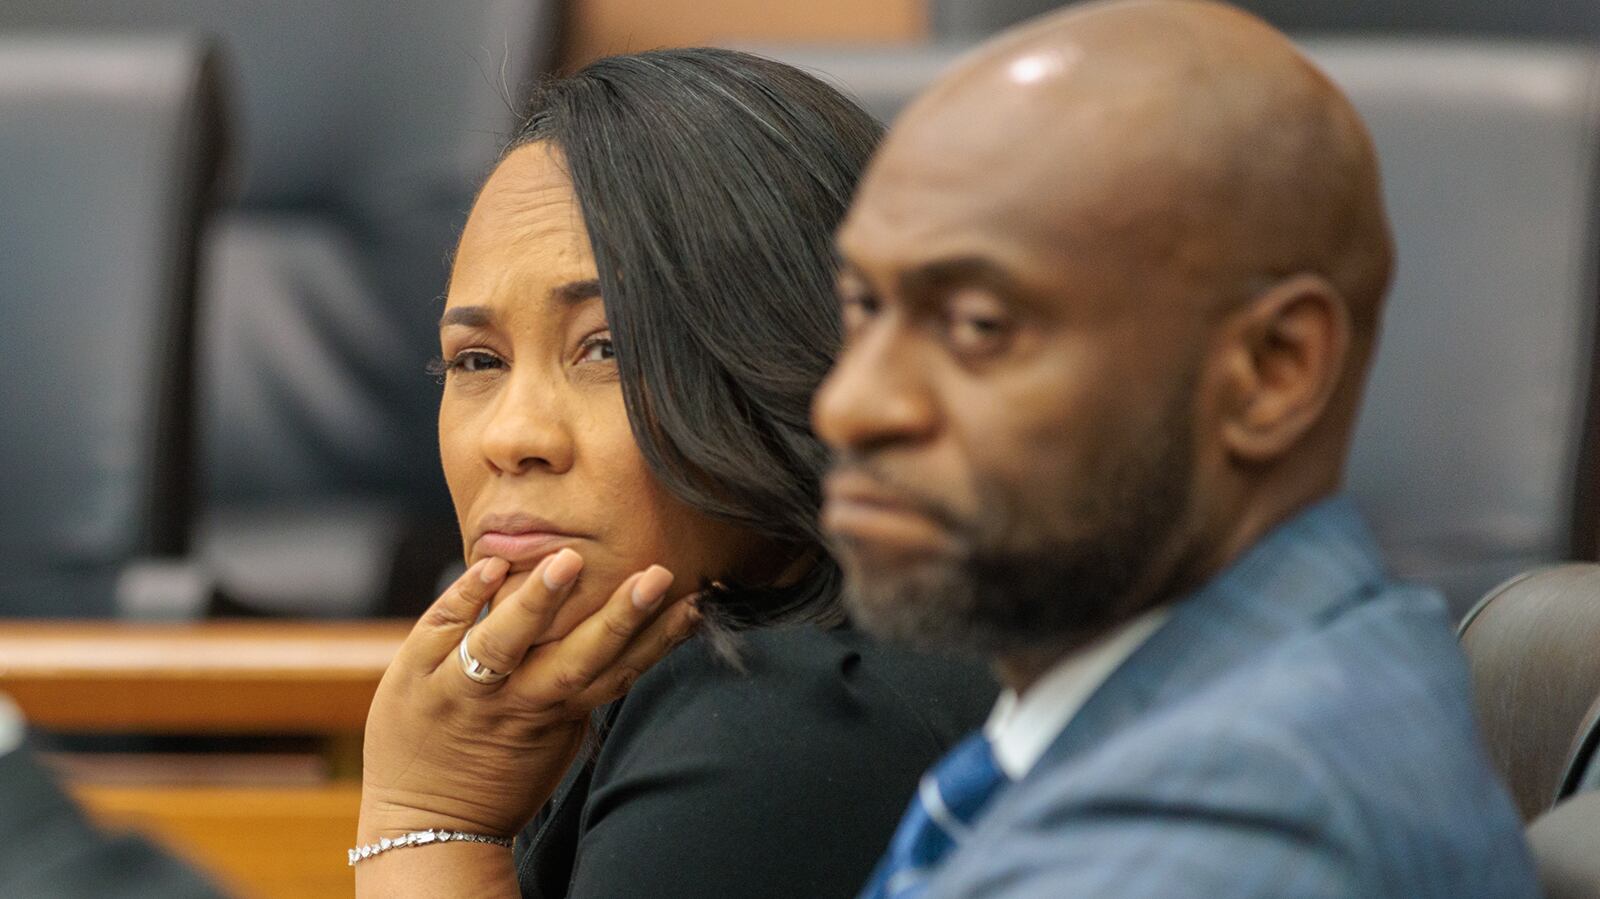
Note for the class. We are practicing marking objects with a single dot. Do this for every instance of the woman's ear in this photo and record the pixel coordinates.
(1285, 353)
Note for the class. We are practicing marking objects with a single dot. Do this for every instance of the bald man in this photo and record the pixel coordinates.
(1111, 288)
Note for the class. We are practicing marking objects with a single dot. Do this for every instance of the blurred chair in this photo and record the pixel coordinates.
(109, 150)
(1562, 19)
(271, 823)
(1475, 454)
(957, 20)
(1559, 19)
(884, 76)
(366, 127)
(1563, 843)
(1531, 646)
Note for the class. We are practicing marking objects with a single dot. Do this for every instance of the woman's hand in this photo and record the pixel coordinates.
(443, 751)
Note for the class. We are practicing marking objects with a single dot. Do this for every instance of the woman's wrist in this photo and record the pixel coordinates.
(438, 870)
(385, 819)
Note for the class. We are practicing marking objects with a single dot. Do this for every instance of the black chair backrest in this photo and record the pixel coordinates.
(1533, 645)
(1564, 843)
(364, 129)
(109, 150)
(1563, 19)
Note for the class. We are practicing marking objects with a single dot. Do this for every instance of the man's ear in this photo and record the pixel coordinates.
(1284, 354)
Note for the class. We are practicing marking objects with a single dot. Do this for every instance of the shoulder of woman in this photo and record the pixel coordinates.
(835, 688)
(816, 743)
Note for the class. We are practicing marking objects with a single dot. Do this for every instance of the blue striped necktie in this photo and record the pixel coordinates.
(949, 800)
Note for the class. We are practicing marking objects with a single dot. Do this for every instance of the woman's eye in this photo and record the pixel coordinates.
(598, 349)
(472, 362)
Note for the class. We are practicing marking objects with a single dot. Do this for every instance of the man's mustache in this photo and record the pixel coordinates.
(898, 486)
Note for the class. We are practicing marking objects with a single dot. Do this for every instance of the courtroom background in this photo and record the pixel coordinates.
(225, 227)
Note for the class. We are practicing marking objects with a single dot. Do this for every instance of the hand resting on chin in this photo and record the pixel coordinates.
(445, 752)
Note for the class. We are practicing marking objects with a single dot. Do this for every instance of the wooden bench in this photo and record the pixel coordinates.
(264, 825)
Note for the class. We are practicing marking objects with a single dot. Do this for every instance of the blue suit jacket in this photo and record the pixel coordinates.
(1300, 727)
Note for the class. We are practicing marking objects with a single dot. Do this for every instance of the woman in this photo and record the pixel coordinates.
(640, 308)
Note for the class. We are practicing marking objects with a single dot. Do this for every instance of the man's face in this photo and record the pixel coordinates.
(1013, 414)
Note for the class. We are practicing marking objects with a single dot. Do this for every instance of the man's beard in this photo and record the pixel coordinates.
(1035, 576)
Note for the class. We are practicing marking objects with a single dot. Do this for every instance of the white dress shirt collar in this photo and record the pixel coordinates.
(1021, 728)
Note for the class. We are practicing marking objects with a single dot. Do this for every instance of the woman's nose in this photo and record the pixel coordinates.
(527, 431)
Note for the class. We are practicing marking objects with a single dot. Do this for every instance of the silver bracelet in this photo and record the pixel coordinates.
(423, 838)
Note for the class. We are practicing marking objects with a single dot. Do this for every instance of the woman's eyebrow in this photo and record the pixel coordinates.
(466, 316)
(482, 316)
(576, 291)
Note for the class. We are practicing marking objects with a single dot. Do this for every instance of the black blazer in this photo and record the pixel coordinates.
(786, 780)
(48, 849)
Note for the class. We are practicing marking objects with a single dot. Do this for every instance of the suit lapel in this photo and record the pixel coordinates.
(1306, 570)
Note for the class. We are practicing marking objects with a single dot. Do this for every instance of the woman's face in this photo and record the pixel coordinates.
(532, 429)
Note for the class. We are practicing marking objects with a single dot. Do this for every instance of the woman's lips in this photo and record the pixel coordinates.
(522, 550)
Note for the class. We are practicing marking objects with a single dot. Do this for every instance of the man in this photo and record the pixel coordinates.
(47, 849)
(1110, 289)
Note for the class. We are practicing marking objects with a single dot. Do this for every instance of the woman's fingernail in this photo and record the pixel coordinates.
(562, 569)
(651, 587)
(493, 569)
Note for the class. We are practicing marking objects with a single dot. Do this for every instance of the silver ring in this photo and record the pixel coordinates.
(474, 669)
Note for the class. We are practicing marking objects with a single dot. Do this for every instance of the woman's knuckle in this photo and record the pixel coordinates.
(443, 614)
(619, 628)
(567, 681)
(493, 652)
(532, 603)
(623, 681)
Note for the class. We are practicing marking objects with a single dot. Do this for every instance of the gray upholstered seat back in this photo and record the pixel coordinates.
(1467, 453)
(954, 20)
(339, 99)
(365, 126)
(109, 150)
(1565, 19)
(1536, 681)
(1563, 844)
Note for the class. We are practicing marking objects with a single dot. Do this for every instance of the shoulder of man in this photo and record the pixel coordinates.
(1341, 761)
(1338, 762)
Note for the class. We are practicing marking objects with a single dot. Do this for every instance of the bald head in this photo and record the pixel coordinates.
(1110, 288)
(1174, 133)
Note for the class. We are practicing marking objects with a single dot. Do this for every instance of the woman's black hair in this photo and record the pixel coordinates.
(711, 182)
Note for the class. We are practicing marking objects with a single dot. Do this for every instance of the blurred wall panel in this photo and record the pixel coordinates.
(600, 27)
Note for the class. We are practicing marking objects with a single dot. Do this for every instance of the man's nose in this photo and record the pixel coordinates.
(878, 394)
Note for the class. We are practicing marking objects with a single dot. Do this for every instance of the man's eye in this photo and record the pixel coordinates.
(598, 349)
(977, 326)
